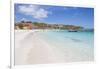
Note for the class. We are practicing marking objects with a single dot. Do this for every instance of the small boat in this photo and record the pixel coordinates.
(72, 31)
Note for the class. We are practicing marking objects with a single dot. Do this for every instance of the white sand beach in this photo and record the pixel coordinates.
(30, 49)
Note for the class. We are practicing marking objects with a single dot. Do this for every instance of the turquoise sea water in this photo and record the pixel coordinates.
(64, 36)
(75, 46)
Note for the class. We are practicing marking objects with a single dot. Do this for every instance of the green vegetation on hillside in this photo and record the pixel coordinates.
(38, 25)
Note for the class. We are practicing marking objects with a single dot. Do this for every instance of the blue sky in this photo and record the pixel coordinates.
(55, 14)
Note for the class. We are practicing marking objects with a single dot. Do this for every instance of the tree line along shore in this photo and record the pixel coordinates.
(38, 25)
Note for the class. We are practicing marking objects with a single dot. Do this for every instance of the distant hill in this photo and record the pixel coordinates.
(39, 25)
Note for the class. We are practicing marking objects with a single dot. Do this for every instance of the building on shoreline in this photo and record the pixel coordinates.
(25, 25)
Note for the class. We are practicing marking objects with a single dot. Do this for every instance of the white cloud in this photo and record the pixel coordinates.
(41, 13)
(35, 11)
(23, 19)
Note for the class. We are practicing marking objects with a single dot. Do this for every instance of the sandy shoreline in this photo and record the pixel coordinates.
(30, 49)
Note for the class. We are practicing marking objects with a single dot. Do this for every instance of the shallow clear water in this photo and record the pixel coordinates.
(74, 46)
(65, 36)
